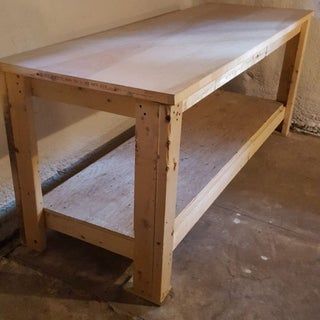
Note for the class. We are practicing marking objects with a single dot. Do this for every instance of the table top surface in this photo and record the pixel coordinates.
(164, 56)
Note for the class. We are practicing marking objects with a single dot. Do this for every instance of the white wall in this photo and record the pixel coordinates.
(262, 79)
(65, 133)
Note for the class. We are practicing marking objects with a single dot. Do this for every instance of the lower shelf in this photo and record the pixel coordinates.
(219, 136)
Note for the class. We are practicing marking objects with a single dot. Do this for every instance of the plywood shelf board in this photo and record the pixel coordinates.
(212, 134)
(167, 58)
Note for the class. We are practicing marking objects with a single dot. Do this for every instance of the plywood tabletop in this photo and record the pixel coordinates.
(166, 58)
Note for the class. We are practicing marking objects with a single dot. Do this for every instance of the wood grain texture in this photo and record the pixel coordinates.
(94, 99)
(90, 233)
(290, 74)
(158, 131)
(168, 58)
(190, 215)
(25, 163)
(212, 133)
(13, 159)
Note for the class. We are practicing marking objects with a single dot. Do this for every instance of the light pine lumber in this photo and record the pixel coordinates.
(158, 131)
(213, 132)
(98, 100)
(90, 233)
(177, 57)
(24, 160)
(232, 70)
(290, 74)
(190, 215)
(170, 63)
(12, 157)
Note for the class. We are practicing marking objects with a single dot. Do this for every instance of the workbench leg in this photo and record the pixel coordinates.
(158, 131)
(24, 160)
(290, 74)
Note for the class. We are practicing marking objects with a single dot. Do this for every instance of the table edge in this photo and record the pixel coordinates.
(167, 98)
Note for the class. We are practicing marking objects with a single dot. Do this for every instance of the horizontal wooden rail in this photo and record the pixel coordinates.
(199, 205)
(236, 67)
(98, 100)
(90, 233)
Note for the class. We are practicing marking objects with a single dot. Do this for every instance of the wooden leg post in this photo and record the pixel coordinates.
(290, 74)
(24, 160)
(158, 130)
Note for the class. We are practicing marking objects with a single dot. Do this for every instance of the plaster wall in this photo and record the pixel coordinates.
(262, 79)
(65, 133)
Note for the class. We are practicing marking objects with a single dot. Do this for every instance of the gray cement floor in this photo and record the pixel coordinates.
(254, 255)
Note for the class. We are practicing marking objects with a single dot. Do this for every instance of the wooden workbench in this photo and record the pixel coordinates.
(142, 199)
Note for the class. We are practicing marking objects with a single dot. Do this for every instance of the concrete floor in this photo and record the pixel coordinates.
(254, 255)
